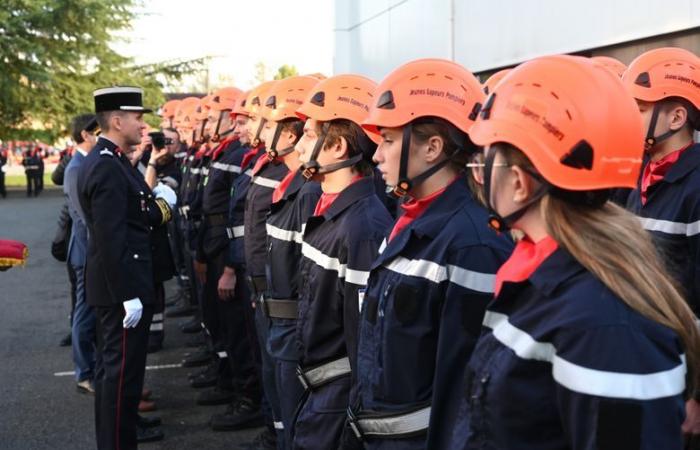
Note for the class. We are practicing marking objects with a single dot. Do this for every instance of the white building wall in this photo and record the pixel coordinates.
(375, 36)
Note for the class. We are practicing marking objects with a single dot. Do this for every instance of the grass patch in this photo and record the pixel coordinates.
(21, 181)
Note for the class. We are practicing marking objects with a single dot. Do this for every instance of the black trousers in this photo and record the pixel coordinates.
(32, 186)
(120, 368)
(3, 191)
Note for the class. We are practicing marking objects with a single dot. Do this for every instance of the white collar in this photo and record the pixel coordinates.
(81, 151)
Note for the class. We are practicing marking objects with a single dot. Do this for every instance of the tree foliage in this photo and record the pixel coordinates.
(286, 71)
(54, 53)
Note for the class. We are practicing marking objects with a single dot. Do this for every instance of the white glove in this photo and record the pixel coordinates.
(133, 309)
(166, 193)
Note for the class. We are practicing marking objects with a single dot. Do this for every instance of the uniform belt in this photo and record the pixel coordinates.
(395, 425)
(258, 284)
(323, 374)
(215, 220)
(235, 232)
(276, 308)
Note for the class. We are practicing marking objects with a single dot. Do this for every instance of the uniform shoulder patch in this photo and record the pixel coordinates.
(106, 152)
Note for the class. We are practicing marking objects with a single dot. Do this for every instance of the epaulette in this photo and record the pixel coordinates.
(106, 152)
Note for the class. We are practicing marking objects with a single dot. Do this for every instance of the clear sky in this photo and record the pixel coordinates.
(237, 34)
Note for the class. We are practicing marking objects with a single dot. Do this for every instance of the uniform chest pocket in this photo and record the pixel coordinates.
(407, 302)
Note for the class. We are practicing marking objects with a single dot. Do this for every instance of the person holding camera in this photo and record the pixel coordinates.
(161, 173)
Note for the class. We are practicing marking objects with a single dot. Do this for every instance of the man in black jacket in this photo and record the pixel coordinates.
(119, 269)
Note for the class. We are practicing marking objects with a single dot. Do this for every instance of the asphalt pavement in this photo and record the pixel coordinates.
(39, 405)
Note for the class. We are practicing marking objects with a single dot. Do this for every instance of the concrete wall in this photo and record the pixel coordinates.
(374, 36)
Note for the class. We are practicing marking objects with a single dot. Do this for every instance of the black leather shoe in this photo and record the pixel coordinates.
(243, 413)
(183, 309)
(206, 379)
(148, 421)
(148, 434)
(211, 368)
(266, 440)
(66, 341)
(192, 326)
(216, 396)
(197, 359)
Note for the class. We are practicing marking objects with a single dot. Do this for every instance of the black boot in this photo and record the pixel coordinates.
(216, 396)
(243, 413)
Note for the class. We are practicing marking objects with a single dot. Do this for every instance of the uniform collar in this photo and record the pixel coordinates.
(432, 221)
(355, 192)
(688, 161)
(104, 143)
(295, 185)
(559, 267)
(429, 224)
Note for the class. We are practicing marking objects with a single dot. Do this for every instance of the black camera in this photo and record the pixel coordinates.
(159, 140)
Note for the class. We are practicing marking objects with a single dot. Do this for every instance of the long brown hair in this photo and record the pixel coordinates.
(611, 243)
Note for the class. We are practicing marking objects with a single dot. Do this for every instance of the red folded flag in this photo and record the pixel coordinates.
(12, 253)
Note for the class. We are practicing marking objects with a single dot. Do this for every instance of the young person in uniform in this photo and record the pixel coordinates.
(339, 244)
(587, 344)
(429, 287)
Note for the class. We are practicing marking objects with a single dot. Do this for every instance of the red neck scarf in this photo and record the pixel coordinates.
(326, 200)
(203, 149)
(260, 163)
(655, 171)
(248, 157)
(526, 258)
(222, 146)
(281, 188)
(413, 209)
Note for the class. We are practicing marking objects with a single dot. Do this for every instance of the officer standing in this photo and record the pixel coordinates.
(119, 273)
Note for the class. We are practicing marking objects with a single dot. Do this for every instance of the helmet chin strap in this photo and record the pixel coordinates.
(497, 222)
(650, 141)
(218, 136)
(256, 139)
(272, 152)
(312, 167)
(405, 184)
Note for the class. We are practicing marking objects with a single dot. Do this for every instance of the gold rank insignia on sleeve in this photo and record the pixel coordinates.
(165, 211)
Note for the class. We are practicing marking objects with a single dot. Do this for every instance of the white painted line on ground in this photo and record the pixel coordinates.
(162, 366)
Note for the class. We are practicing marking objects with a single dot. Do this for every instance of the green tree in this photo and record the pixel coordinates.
(260, 72)
(54, 53)
(286, 71)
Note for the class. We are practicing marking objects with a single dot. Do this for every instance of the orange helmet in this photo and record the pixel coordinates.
(239, 106)
(282, 103)
(662, 73)
(493, 80)
(347, 97)
(185, 110)
(616, 66)
(167, 111)
(340, 97)
(225, 99)
(659, 74)
(426, 88)
(318, 75)
(573, 119)
(256, 98)
(202, 111)
(286, 97)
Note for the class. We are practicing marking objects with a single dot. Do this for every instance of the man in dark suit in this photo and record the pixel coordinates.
(119, 269)
(83, 129)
